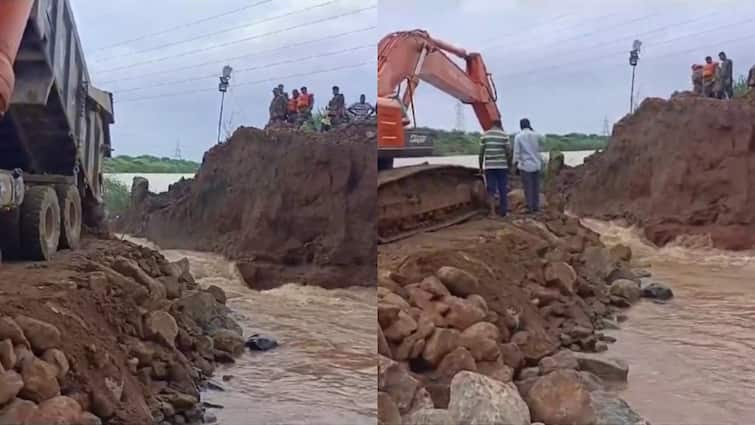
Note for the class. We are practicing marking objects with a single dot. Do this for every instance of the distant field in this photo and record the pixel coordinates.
(149, 164)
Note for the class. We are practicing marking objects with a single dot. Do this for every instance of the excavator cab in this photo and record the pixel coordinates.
(395, 139)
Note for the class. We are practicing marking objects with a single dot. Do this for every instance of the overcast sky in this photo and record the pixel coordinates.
(564, 63)
(165, 84)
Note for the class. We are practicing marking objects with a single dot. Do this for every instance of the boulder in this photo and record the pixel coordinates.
(10, 385)
(60, 410)
(529, 372)
(7, 355)
(620, 253)
(496, 369)
(606, 368)
(396, 300)
(611, 410)
(459, 282)
(657, 291)
(561, 398)
(40, 381)
(479, 400)
(454, 362)
(434, 286)
(413, 345)
(218, 293)
(401, 328)
(591, 381)
(564, 359)
(161, 327)
(626, 289)
(561, 275)
(228, 341)
(383, 347)
(9, 329)
(479, 301)
(525, 385)
(180, 401)
(598, 263)
(388, 413)
(173, 288)
(23, 355)
(204, 310)
(512, 356)
(429, 417)
(387, 313)
(87, 418)
(394, 379)
(17, 412)
(481, 339)
(41, 335)
(58, 359)
(441, 342)
(462, 313)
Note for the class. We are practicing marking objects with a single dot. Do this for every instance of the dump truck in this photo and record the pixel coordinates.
(54, 131)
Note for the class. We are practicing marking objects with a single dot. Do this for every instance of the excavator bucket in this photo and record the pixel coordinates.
(425, 198)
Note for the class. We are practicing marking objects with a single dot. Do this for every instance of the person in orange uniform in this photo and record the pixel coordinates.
(710, 77)
(293, 107)
(304, 104)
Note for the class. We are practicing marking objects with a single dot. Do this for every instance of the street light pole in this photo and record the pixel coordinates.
(634, 57)
(225, 79)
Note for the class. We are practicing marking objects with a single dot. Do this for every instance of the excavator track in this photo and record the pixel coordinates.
(425, 198)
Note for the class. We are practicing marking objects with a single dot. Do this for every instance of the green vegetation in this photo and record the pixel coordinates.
(740, 86)
(117, 196)
(459, 143)
(149, 164)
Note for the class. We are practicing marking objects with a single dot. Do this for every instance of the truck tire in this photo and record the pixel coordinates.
(40, 223)
(70, 216)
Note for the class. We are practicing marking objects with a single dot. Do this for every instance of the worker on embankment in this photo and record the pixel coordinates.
(337, 108)
(697, 79)
(304, 104)
(494, 161)
(751, 78)
(726, 76)
(710, 75)
(292, 109)
(278, 106)
(361, 110)
(529, 162)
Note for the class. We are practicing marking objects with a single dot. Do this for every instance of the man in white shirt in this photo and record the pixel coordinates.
(529, 162)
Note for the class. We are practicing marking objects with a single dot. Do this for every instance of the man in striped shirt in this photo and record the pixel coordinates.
(494, 161)
(361, 110)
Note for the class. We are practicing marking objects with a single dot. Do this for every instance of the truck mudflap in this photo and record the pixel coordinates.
(11, 189)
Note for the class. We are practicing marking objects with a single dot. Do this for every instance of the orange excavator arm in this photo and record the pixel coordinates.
(13, 17)
(414, 56)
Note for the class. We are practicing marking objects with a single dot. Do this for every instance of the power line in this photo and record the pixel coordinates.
(230, 43)
(249, 83)
(204, 36)
(248, 55)
(252, 68)
(181, 26)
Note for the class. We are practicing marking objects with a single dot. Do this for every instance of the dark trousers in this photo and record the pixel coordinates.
(497, 180)
(727, 91)
(531, 183)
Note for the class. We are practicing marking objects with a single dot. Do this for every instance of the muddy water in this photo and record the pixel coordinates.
(324, 371)
(691, 361)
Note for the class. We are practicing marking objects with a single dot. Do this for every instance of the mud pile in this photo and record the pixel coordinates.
(499, 325)
(684, 166)
(112, 333)
(288, 206)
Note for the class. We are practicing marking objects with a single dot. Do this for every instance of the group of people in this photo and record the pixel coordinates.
(497, 157)
(297, 108)
(716, 79)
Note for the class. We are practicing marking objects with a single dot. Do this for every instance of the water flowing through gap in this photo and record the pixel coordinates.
(324, 371)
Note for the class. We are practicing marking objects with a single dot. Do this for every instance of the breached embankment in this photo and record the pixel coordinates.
(286, 205)
(683, 166)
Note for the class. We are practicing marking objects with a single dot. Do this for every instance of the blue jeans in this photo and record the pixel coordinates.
(498, 180)
(531, 183)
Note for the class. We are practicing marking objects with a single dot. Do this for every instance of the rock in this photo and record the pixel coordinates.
(173, 288)
(60, 410)
(394, 379)
(657, 291)
(10, 385)
(388, 413)
(7, 355)
(600, 347)
(401, 328)
(481, 339)
(561, 398)
(441, 342)
(429, 417)
(206, 312)
(622, 273)
(87, 418)
(459, 282)
(479, 400)
(228, 341)
(40, 381)
(56, 358)
(180, 401)
(259, 342)
(102, 405)
(620, 253)
(19, 411)
(479, 301)
(457, 360)
(609, 324)
(579, 332)
(626, 289)
(462, 313)
(218, 293)
(525, 385)
(611, 410)
(422, 400)
(115, 387)
(413, 345)
(434, 286)
(41, 335)
(161, 327)
(383, 347)
(529, 372)
(512, 356)
(9, 329)
(562, 275)
(496, 369)
(23, 355)
(387, 313)
(564, 359)
(592, 382)
(396, 300)
(609, 369)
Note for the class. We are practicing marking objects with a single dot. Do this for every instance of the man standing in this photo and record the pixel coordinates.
(494, 161)
(305, 102)
(727, 76)
(697, 79)
(361, 110)
(277, 107)
(529, 162)
(336, 107)
(751, 78)
(293, 107)
(710, 73)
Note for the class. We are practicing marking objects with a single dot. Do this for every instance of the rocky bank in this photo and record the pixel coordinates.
(502, 324)
(285, 205)
(683, 166)
(109, 334)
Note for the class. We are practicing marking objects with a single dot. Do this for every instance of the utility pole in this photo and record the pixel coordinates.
(460, 117)
(177, 153)
(225, 79)
(606, 127)
(634, 57)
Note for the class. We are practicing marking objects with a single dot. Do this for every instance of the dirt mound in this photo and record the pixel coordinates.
(287, 205)
(679, 166)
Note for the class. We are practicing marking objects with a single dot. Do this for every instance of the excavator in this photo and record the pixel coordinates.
(425, 197)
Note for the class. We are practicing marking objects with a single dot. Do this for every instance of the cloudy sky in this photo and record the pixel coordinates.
(161, 60)
(564, 63)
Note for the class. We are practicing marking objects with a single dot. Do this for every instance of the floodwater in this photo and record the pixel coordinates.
(323, 372)
(158, 182)
(691, 360)
(571, 159)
